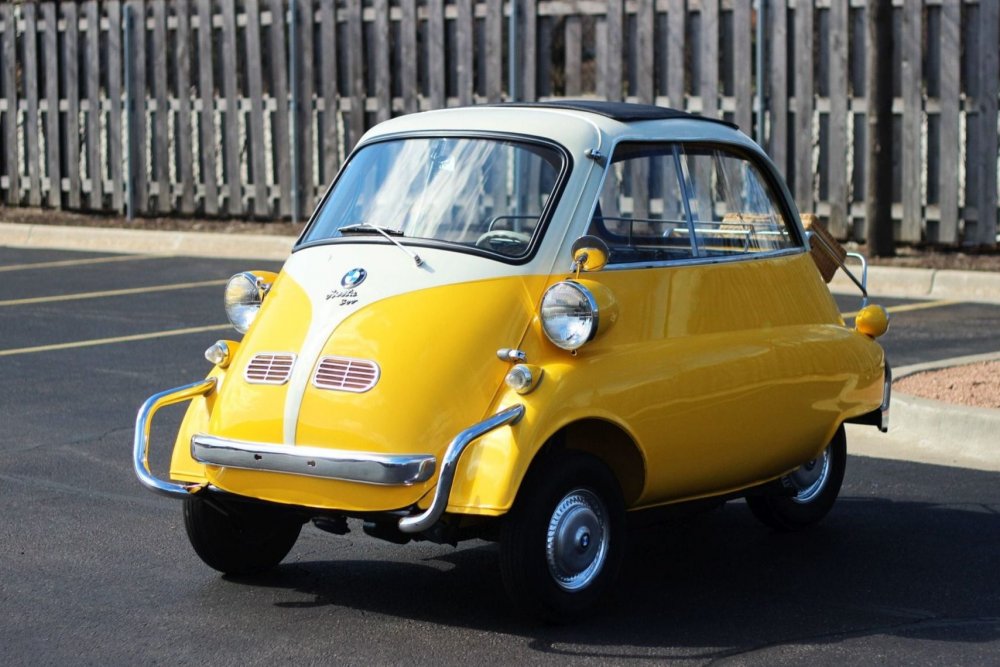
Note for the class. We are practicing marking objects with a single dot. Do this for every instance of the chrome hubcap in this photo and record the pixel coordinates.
(576, 544)
(810, 479)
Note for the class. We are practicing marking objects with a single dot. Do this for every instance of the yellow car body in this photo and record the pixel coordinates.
(704, 377)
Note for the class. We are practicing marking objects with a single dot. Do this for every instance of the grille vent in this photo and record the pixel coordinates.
(269, 368)
(345, 374)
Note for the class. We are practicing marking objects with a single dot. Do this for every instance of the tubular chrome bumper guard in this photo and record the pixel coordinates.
(143, 422)
(427, 518)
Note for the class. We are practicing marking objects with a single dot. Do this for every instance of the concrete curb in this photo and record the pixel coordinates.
(899, 282)
(934, 432)
(144, 241)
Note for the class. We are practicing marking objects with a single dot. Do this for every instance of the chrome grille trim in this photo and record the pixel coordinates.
(269, 368)
(346, 374)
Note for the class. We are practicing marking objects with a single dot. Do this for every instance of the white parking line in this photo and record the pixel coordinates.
(117, 339)
(106, 293)
(79, 262)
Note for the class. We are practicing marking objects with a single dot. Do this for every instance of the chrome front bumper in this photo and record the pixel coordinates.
(363, 467)
(313, 461)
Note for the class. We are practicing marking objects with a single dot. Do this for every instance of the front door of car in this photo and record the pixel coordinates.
(719, 314)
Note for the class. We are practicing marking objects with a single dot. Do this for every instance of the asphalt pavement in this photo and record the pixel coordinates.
(905, 570)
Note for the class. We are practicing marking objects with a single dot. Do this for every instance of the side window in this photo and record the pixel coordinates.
(732, 208)
(640, 212)
(670, 201)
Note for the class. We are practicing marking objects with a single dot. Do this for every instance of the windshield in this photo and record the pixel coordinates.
(476, 192)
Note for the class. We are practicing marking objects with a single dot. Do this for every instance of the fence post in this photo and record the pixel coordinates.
(129, 47)
(293, 75)
(513, 91)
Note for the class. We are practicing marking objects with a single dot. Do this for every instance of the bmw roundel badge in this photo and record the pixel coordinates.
(354, 277)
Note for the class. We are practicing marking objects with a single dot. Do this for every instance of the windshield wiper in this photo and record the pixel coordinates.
(387, 232)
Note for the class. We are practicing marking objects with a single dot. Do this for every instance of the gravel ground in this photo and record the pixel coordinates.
(975, 384)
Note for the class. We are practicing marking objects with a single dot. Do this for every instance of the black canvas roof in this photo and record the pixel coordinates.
(620, 111)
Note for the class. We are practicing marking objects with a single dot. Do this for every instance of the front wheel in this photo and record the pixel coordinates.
(811, 490)
(239, 538)
(561, 544)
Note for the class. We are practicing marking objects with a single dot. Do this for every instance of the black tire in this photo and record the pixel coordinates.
(575, 495)
(813, 490)
(239, 538)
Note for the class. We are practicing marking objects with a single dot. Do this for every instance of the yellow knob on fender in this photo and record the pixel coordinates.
(872, 321)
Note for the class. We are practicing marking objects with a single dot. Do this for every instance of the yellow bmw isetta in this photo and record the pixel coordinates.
(519, 323)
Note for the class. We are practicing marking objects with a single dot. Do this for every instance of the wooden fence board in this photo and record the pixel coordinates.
(408, 57)
(208, 148)
(70, 74)
(31, 116)
(183, 138)
(949, 144)
(93, 76)
(231, 125)
(160, 162)
(743, 65)
(804, 87)
(138, 174)
(529, 46)
(115, 105)
(836, 162)
(494, 50)
(645, 22)
(383, 80)
(435, 54)
(709, 81)
(777, 59)
(911, 79)
(50, 45)
(9, 72)
(614, 30)
(676, 41)
(462, 58)
(255, 130)
(304, 113)
(331, 93)
(574, 56)
(280, 137)
(356, 65)
(989, 87)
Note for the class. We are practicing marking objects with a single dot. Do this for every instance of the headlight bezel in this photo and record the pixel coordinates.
(589, 311)
(243, 295)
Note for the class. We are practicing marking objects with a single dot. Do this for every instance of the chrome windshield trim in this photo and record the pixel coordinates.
(143, 423)
(426, 519)
(350, 466)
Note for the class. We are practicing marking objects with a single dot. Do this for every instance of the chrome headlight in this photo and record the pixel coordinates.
(244, 294)
(569, 315)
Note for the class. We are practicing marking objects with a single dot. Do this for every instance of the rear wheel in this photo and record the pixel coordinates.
(811, 490)
(239, 538)
(562, 542)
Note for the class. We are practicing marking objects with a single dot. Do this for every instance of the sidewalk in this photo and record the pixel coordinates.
(920, 430)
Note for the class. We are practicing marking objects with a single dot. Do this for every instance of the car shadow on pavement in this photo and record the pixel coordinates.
(714, 585)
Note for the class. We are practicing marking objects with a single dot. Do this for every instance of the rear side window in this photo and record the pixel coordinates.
(663, 202)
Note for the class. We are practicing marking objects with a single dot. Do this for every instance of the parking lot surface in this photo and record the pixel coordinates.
(906, 569)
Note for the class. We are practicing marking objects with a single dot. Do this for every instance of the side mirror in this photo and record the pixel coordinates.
(590, 254)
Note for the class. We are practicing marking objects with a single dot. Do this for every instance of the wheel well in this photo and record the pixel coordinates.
(612, 445)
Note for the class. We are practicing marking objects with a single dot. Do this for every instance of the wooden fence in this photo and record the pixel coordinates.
(244, 108)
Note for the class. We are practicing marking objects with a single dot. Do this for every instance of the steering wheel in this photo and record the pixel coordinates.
(504, 241)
